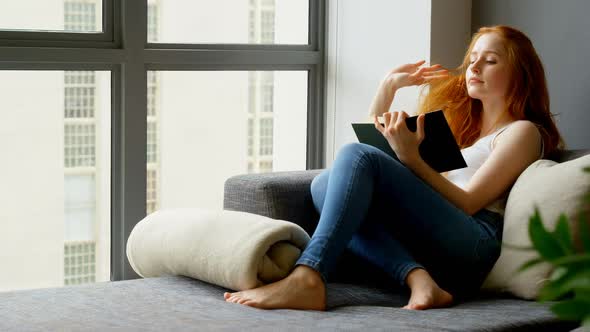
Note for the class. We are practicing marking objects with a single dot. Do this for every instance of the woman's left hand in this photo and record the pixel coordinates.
(403, 142)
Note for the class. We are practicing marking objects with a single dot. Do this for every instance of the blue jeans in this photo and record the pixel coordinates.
(375, 207)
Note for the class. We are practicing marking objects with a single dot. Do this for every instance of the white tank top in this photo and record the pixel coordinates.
(475, 155)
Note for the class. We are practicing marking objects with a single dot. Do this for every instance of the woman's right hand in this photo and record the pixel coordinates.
(413, 74)
(402, 76)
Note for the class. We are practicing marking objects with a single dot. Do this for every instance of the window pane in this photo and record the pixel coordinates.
(55, 143)
(228, 21)
(204, 127)
(51, 15)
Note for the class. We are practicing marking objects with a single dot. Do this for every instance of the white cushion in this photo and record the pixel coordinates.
(554, 188)
(236, 250)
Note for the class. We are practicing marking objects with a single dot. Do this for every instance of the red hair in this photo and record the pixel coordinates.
(528, 97)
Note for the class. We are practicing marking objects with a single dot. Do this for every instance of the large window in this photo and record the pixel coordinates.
(115, 109)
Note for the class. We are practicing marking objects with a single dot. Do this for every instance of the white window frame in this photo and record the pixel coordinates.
(122, 48)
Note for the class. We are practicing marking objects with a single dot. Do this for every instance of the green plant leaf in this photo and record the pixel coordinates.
(545, 243)
(584, 231)
(587, 169)
(562, 234)
(564, 281)
(530, 263)
(573, 309)
(572, 261)
(570, 281)
(583, 293)
(558, 273)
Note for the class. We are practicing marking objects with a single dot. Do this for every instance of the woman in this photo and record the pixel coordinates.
(439, 235)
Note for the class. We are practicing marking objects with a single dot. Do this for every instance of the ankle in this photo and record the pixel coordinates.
(309, 276)
(419, 278)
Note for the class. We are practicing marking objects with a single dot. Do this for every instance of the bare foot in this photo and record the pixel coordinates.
(302, 289)
(434, 297)
(425, 292)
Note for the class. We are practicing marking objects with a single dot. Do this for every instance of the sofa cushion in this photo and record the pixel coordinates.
(277, 195)
(182, 304)
(553, 188)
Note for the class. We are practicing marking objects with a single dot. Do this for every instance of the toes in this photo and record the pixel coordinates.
(233, 298)
(419, 306)
(226, 295)
(414, 306)
(240, 299)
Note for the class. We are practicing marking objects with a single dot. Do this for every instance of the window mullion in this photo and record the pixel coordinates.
(130, 143)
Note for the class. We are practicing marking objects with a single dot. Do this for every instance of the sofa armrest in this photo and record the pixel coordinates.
(277, 195)
(565, 155)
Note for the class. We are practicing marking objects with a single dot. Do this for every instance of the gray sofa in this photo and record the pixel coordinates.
(355, 301)
(286, 196)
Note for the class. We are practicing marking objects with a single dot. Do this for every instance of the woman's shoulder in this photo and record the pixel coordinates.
(524, 127)
(523, 131)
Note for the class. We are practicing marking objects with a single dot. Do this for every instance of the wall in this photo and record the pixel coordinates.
(450, 31)
(560, 31)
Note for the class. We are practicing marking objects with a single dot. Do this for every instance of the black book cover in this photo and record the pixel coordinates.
(438, 149)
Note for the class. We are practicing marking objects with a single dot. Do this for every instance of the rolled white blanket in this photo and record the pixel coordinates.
(236, 250)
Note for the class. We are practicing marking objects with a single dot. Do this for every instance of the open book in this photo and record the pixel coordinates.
(438, 149)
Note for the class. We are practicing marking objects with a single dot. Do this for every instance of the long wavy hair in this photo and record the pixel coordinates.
(527, 97)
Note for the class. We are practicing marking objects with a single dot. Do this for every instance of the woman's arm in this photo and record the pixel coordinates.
(515, 149)
(383, 99)
(402, 76)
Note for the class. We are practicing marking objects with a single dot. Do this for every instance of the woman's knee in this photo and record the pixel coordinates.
(358, 155)
(320, 182)
(357, 149)
(318, 188)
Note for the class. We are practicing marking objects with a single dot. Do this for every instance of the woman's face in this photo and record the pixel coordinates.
(487, 76)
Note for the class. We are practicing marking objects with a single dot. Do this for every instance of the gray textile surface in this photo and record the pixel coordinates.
(183, 304)
(278, 195)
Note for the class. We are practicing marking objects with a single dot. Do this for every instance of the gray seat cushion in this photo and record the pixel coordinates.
(183, 304)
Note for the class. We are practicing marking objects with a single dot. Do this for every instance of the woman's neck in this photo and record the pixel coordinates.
(494, 116)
